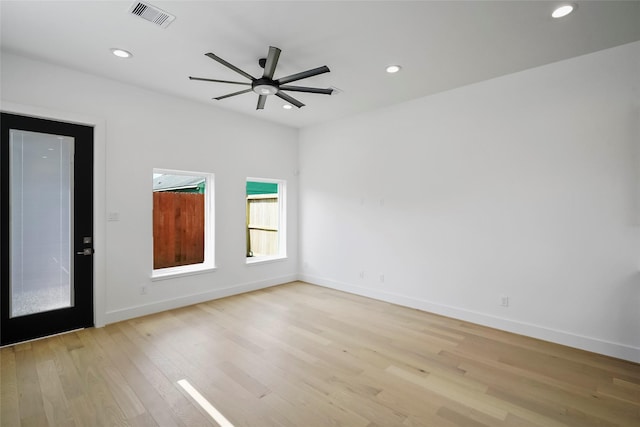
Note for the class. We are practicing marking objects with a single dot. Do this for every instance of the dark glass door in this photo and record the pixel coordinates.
(46, 227)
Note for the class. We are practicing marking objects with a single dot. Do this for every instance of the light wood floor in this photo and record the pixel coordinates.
(301, 355)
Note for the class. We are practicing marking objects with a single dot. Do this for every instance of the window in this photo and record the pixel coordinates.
(266, 231)
(182, 222)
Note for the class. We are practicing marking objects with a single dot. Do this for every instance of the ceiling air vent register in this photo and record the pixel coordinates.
(152, 14)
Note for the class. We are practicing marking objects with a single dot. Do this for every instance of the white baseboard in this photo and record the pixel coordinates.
(607, 348)
(159, 306)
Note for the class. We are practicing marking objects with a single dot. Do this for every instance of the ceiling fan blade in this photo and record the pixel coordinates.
(226, 64)
(219, 81)
(272, 61)
(289, 99)
(262, 99)
(233, 94)
(303, 75)
(307, 89)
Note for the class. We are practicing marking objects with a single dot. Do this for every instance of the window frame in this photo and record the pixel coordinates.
(209, 223)
(282, 221)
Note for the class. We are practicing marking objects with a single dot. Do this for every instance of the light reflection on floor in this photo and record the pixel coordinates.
(205, 404)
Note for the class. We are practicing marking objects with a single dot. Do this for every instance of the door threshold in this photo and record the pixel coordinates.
(41, 338)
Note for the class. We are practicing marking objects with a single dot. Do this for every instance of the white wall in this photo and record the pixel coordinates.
(524, 186)
(145, 130)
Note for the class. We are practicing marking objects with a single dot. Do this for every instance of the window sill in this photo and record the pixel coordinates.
(265, 259)
(173, 272)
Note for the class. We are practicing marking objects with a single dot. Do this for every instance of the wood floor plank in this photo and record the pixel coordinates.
(72, 385)
(467, 396)
(98, 394)
(460, 419)
(620, 390)
(153, 389)
(83, 411)
(9, 388)
(113, 375)
(55, 403)
(161, 372)
(148, 404)
(301, 355)
(550, 396)
(163, 367)
(30, 403)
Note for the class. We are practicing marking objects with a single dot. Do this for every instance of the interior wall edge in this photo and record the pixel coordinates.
(173, 303)
(607, 348)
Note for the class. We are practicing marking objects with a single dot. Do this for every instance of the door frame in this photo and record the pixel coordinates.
(99, 192)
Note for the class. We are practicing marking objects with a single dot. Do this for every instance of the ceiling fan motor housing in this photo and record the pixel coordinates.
(265, 86)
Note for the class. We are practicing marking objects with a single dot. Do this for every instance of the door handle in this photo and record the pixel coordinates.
(85, 251)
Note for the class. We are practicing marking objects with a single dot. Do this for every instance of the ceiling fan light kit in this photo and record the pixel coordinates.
(267, 85)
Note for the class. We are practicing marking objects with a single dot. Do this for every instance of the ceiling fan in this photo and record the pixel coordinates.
(267, 85)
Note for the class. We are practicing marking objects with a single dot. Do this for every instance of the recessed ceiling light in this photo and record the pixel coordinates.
(393, 69)
(563, 10)
(287, 107)
(121, 53)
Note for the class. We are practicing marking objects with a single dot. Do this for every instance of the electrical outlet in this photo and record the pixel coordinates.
(382, 278)
(143, 290)
(362, 274)
(504, 301)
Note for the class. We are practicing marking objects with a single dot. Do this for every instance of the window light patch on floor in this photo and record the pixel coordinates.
(205, 404)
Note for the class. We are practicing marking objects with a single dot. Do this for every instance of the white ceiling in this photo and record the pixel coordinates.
(440, 44)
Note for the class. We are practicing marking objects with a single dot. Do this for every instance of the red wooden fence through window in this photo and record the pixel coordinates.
(178, 229)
